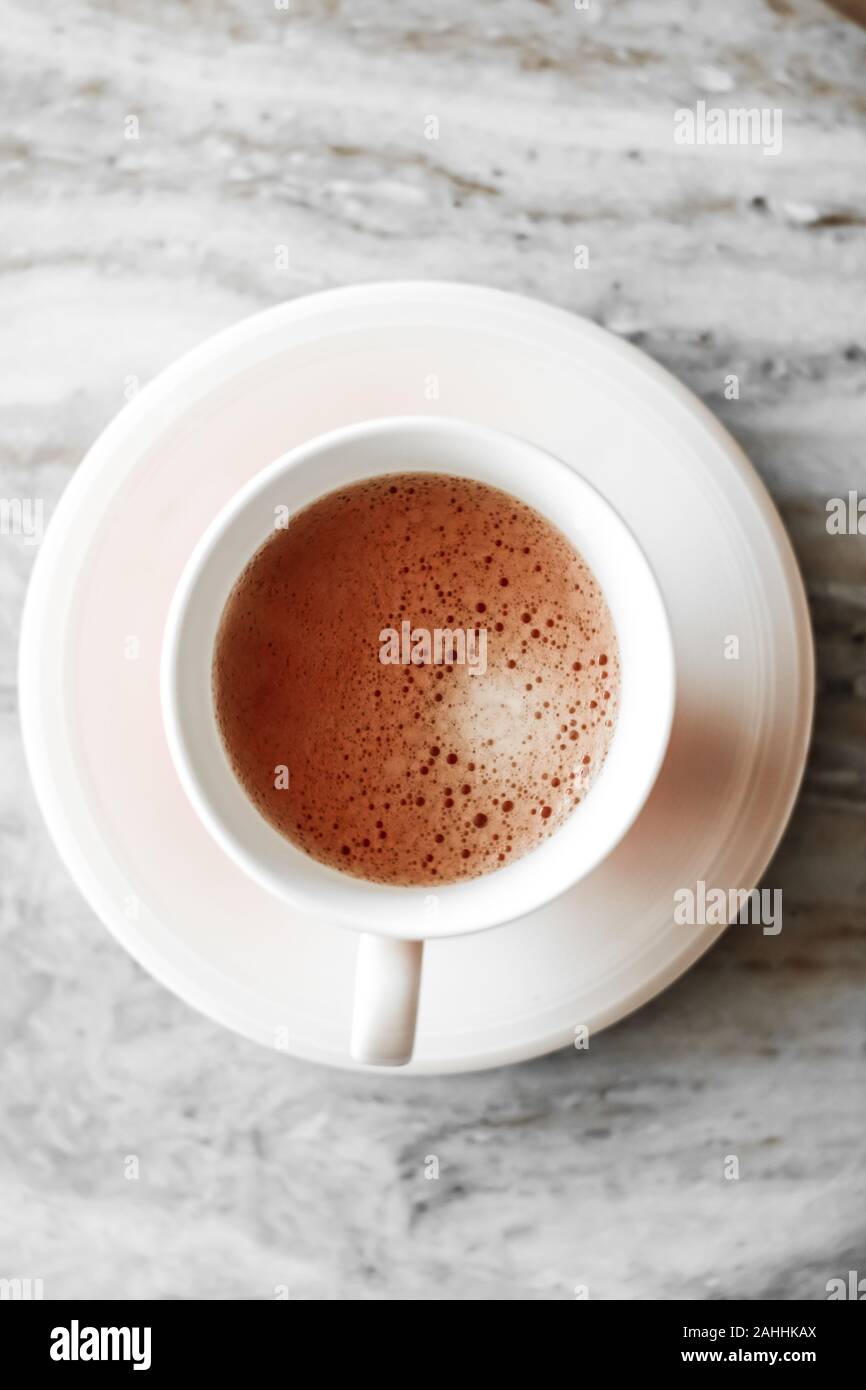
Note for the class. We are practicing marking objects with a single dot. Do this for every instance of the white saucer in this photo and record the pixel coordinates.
(146, 491)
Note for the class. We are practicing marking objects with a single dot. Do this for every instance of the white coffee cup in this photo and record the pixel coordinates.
(394, 922)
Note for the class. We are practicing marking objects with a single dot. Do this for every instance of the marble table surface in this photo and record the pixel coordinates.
(259, 126)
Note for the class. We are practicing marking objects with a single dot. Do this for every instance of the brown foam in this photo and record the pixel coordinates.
(416, 774)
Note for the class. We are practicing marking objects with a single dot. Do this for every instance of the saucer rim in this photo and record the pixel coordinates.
(149, 405)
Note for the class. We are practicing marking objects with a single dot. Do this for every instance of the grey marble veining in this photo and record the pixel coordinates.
(260, 128)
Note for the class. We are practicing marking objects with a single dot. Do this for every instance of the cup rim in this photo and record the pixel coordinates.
(382, 908)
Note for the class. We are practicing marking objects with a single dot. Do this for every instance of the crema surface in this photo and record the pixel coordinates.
(416, 679)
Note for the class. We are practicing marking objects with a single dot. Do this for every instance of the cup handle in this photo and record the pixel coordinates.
(387, 980)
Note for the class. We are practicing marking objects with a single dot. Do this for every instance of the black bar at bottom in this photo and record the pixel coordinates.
(155, 1339)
